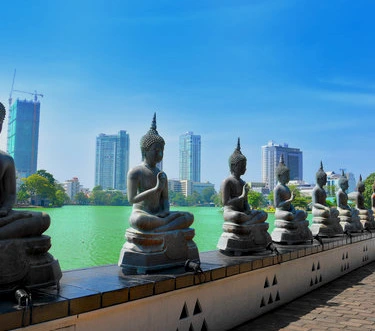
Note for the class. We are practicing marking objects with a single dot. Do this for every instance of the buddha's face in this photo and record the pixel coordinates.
(239, 168)
(155, 153)
(284, 177)
(322, 181)
(344, 185)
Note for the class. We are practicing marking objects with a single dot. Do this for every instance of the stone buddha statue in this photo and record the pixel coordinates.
(349, 219)
(366, 216)
(245, 229)
(158, 238)
(373, 198)
(24, 258)
(325, 219)
(291, 226)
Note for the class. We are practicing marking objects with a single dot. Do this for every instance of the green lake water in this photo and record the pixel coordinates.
(86, 236)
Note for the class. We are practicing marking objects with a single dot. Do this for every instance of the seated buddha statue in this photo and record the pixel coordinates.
(373, 198)
(325, 219)
(365, 215)
(349, 219)
(23, 248)
(158, 237)
(291, 226)
(245, 229)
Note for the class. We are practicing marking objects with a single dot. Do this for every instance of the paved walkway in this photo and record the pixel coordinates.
(347, 303)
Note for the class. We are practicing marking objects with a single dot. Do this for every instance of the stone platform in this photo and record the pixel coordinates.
(228, 292)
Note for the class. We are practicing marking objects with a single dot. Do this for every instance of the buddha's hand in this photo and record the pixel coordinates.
(161, 180)
(163, 214)
(291, 197)
(245, 190)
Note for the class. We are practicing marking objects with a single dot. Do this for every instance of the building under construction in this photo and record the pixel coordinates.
(23, 134)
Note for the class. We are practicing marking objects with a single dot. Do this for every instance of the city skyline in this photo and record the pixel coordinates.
(290, 71)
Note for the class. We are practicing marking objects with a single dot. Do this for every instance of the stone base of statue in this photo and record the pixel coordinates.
(244, 239)
(291, 232)
(326, 227)
(26, 263)
(147, 251)
(366, 217)
(350, 223)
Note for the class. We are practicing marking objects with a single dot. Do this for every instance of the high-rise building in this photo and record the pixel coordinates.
(190, 157)
(72, 187)
(23, 136)
(112, 160)
(270, 159)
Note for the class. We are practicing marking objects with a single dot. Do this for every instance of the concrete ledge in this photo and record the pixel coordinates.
(230, 291)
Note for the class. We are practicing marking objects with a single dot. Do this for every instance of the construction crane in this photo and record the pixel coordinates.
(35, 94)
(11, 89)
(34, 124)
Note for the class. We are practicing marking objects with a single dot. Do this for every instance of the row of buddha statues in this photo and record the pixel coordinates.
(159, 238)
(246, 230)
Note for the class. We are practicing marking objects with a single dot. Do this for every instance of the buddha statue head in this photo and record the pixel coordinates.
(343, 182)
(282, 171)
(321, 176)
(150, 138)
(237, 161)
(360, 185)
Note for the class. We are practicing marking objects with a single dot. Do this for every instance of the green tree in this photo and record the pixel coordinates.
(193, 199)
(299, 200)
(177, 198)
(46, 175)
(99, 197)
(270, 198)
(22, 195)
(331, 190)
(369, 181)
(60, 198)
(216, 199)
(118, 198)
(255, 199)
(207, 194)
(39, 187)
(81, 199)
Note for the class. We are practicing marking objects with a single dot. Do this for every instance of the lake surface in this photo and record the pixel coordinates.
(86, 236)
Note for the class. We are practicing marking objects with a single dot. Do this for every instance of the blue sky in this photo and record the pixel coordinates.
(298, 72)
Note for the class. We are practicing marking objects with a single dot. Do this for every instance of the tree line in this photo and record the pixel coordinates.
(41, 188)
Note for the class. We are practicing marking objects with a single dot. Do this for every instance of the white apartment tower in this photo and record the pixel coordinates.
(112, 160)
(190, 157)
(72, 187)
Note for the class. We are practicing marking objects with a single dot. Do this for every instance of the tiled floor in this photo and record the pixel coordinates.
(348, 303)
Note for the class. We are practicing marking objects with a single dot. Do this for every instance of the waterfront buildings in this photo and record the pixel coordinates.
(23, 136)
(270, 159)
(333, 179)
(72, 187)
(190, 157)
(187, 187)
(112, 160)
